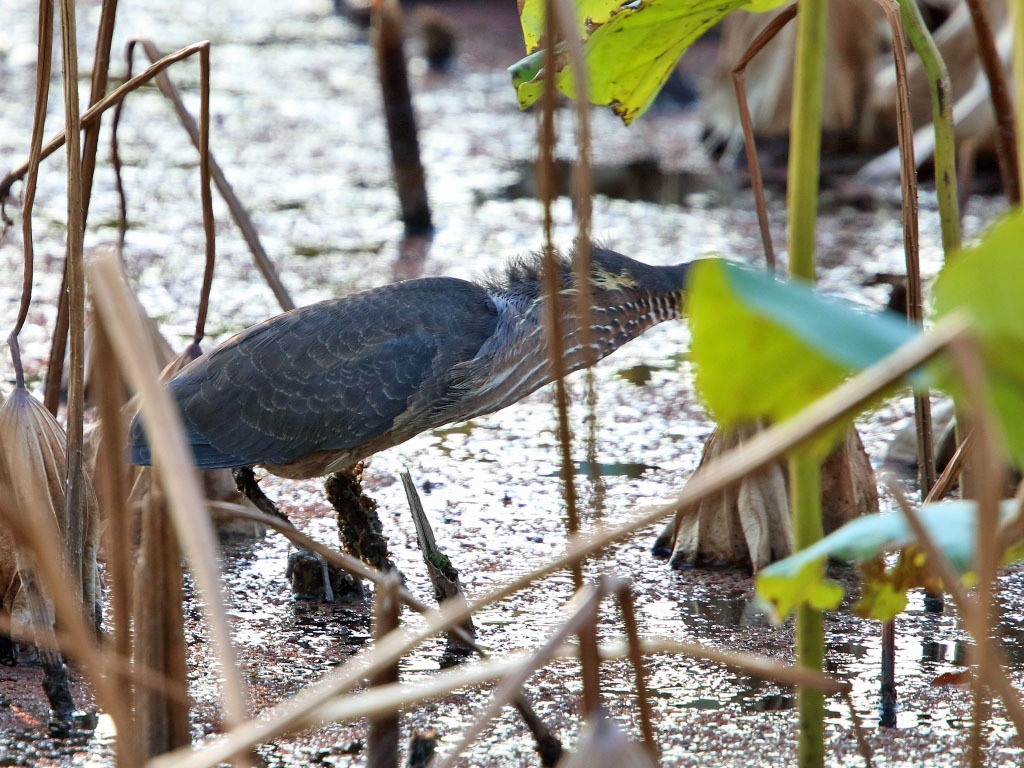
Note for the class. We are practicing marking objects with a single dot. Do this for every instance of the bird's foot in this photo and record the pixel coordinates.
(313, 578)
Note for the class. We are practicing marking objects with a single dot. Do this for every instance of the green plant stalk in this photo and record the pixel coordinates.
(942, 119)
(1017, 9)
(802, 204)
(805, 136)
(805, 499)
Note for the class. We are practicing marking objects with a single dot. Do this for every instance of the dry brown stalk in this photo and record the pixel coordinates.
(840, 404)
(627, 605)
(173, 462)
(915, 309)
(586, 603)
(76, 479)
(204, 192)
(582, 189)
(553, 331)
(753, 164)
(400, 118)
(1002, 104)
(43, 57)
(101, 65)
(944, 483)
(98, 87)
(112, 488)
(383, 732)
(159, 631)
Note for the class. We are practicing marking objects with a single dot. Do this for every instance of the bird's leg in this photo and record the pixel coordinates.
(248, 485)
(359, 525)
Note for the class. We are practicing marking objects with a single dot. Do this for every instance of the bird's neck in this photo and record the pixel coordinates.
(520, 364)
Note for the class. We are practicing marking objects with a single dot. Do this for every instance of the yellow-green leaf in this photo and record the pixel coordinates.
(630, 48)
(987, 282)
(765, 348)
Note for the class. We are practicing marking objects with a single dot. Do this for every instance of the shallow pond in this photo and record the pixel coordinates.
(298, 129)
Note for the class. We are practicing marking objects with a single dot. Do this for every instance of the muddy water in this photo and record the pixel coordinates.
(298, 129)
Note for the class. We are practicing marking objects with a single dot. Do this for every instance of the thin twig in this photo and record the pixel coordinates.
(753, 164)
(1002, 104)
(43, 58)
(627, 605)
(204, 191)
(587, 601)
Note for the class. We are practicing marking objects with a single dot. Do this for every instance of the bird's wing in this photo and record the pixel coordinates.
(331, 376)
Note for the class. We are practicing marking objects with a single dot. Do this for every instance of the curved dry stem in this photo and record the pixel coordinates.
(753, 164)
(205, 192)
(43, 58)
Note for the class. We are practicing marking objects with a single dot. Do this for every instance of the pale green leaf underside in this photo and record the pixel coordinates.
(799, 578)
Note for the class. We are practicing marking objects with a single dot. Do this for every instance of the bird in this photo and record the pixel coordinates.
(317, 389)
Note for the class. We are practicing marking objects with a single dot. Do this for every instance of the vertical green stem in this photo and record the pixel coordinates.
(805, 498)
(805, 135)
(802, 202)
(942, 119)
(1017, 9)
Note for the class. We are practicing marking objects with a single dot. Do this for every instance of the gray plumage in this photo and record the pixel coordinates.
(318, 388)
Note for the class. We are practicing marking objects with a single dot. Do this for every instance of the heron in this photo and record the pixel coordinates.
(317, 389)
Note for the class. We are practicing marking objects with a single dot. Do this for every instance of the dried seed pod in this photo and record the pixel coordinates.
(33, 461)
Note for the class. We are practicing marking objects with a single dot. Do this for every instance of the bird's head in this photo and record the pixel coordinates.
(615, 281)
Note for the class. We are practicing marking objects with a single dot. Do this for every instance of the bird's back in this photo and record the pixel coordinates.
(329, 377)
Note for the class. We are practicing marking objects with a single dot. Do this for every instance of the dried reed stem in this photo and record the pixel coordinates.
(552, 289)
(382, 737)
(115, 154)
(583, 207)
(204, 191)
(627, 605)
(112, 489)
(400, 118)
(100, 67)
(1002, 104)
(586, 602)
(43, 57)
(753, 164)
(75, 497)
(553, 327)
(915, 313)
(173, 463)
